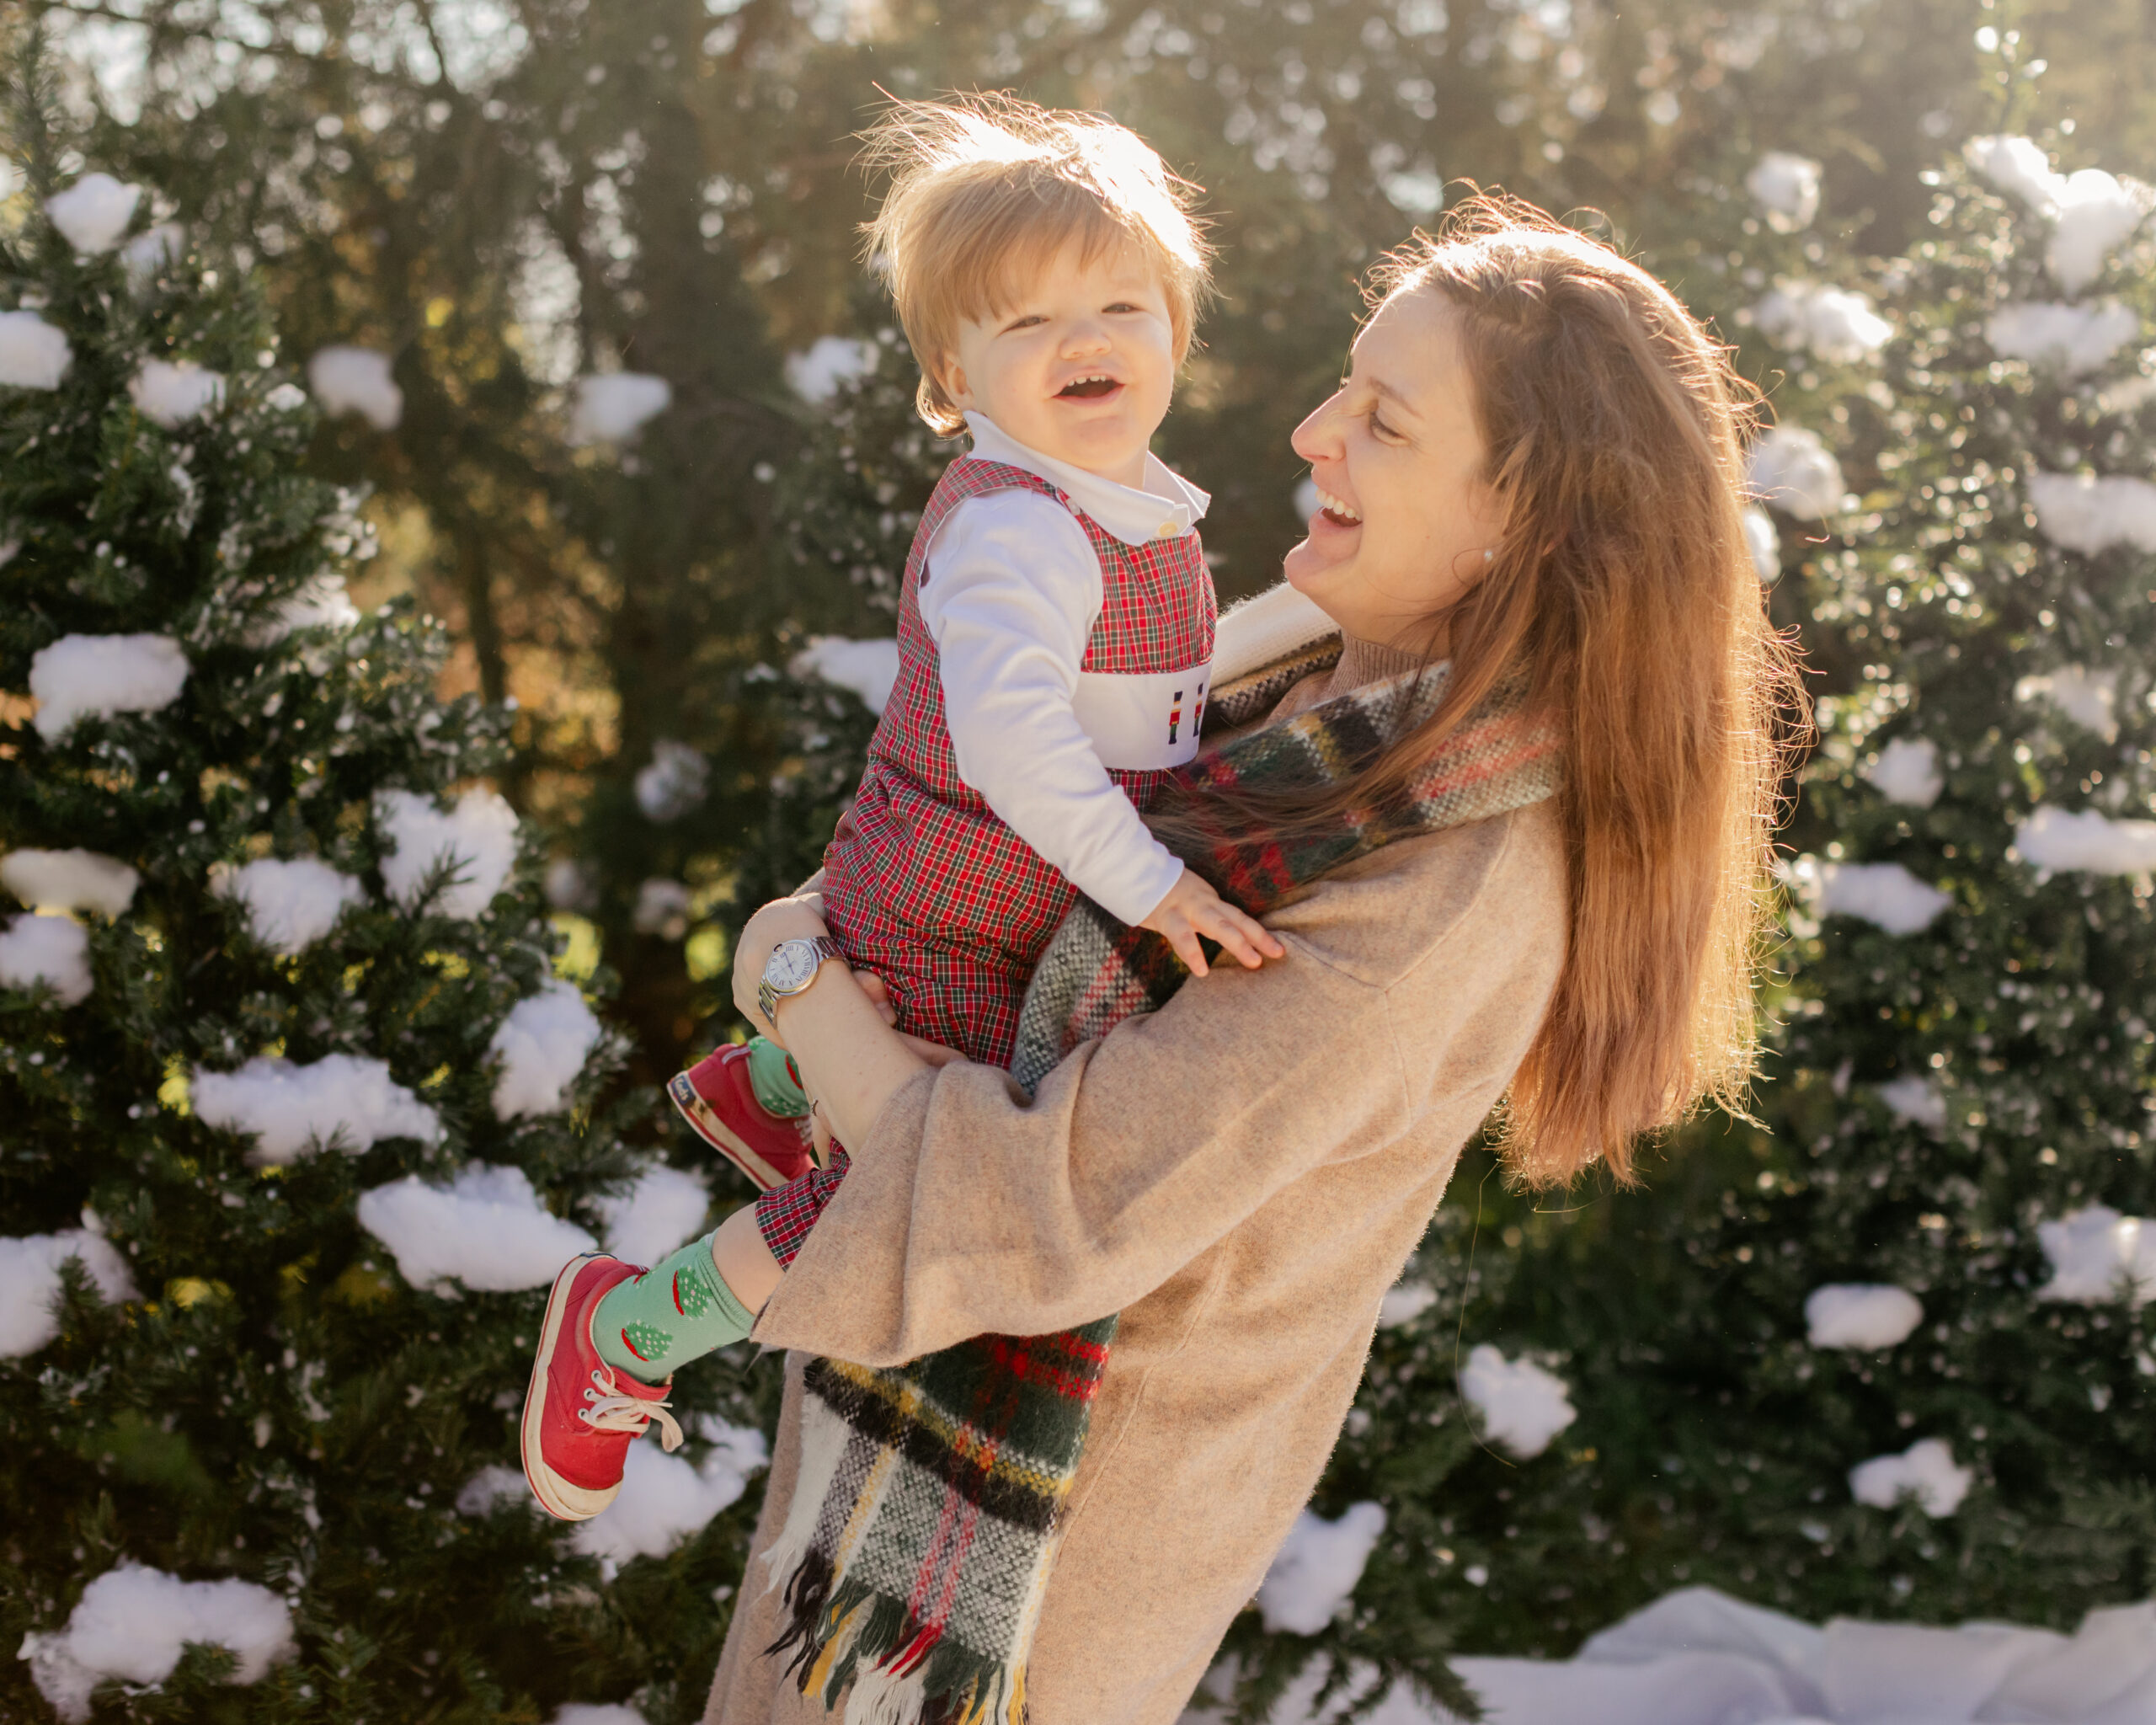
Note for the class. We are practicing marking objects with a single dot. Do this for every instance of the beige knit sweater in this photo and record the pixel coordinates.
(1241, 1175)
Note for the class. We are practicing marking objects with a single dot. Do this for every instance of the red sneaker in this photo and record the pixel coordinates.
(581, 1415)
(716, 1098)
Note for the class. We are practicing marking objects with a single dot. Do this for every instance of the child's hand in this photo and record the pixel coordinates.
(1192, 908)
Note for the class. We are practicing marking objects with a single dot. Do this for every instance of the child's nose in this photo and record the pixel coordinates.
(1085, 338)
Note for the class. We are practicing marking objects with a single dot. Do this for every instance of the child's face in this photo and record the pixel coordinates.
(1036, 366)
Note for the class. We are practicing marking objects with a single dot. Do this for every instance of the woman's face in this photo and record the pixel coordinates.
(1407, 511)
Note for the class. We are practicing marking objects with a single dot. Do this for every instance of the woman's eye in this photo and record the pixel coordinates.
(1379, 426)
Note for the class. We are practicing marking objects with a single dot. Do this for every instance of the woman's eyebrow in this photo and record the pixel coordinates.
(1394, 396)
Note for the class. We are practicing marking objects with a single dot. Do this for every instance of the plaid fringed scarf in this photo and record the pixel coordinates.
(923, 1524)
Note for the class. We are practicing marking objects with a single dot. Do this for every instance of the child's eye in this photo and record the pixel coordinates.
(1122, 306)
(1025, 322)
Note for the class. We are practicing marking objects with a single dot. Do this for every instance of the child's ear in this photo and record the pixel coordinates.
(951, 376)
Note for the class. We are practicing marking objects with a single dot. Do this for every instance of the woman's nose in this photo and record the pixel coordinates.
(1319, 435)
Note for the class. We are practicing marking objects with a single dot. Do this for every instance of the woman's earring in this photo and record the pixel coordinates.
(1488, 556)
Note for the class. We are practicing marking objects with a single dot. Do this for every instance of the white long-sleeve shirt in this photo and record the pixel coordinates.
(1010, 596)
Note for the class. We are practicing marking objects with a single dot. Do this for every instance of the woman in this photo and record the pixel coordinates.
(1532, 472)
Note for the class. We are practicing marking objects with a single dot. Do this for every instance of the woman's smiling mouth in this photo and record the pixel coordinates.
(1335, 511)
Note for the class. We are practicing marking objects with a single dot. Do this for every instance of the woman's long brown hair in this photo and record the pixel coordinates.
(1616, 433)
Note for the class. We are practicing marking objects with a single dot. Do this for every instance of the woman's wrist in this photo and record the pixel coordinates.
(781, 920)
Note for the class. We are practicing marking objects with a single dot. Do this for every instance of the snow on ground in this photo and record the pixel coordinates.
(612, 407)
(830, 361)
(93, 213)
(2090, 515)
(1317, 1567)
(666, 1499)
(1699, 1657)
(133, 1623)
(666, 1208)
(33, 354)
(1864, 1315)
(868, 668)
(2088, 697)
(2096, 1254)
(1885, 894)
(486, 1229)
(356, 380)
(292, 1109)
(1906, 770)
(478, 836)
(543, 1043)
(674, 783)
(1792, 469)
(1787, 187)
(2075, 340)
(84, 676)
(2053, 838)
(1523, 1406)
(1926, 1470)
(662, 908)
(30, 1283)
(1764, 544)
(51, 950)
(171, 394)
(70, 880)
(289, 905)
(1840, 327)
(1914, 1097)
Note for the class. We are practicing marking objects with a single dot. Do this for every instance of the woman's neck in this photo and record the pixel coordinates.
(1369, 662)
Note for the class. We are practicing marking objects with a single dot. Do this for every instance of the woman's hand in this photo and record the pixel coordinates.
(800, 918)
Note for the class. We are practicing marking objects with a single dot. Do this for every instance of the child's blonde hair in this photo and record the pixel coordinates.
(986, 187)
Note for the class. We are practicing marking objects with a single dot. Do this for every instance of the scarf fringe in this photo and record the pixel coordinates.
(846, 1640)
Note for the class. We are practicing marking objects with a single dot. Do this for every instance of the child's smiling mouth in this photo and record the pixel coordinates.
(1092, 388)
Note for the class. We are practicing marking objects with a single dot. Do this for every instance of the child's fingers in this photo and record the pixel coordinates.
(1184, 939)
(1248, 940)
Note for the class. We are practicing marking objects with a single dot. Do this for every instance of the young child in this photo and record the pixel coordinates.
(1055, 644)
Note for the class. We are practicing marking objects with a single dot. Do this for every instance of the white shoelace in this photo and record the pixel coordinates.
(613, 1412)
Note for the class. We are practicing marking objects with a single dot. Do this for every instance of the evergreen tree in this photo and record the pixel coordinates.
(300, 1118)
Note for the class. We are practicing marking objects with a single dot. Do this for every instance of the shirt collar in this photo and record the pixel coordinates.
(1167, 507)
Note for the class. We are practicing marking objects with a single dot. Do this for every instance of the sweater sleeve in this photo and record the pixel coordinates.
(1013, 593)
(971, 1211)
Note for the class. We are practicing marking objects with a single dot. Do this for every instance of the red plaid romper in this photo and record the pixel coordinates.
(931, 890)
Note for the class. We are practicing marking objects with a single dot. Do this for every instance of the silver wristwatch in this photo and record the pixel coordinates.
(790, 968)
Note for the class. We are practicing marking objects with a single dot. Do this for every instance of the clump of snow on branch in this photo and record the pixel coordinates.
(2096, 1255)
(543, 1045)
(613, 406)
(356, 380)
(830, 363)
(1914, 1098)
(486, 1229)
(70, 880)
(868, 668)
(11, 176)
(51, 952)
(1906, 770)
(662, 908)
(665, 1499)
(1926, 1470)
(476, 839)
(2090, 211)
(30, 1284)
(675, 783)
(321, 603)
(596, 1713)
(2088, 697)
(94, 677)
(492, 1485)
(1764, 544)
(133, 1623)
(1884, 894)
(289, 905)
(666, 1208)
(1793, 470)
(1523, 1406)
(1404, 1302)
(2090, 515)
(1786, 188)
(149, 251)
(93, 213)
(291, 1110)
(568, 885)
(33, 354)
(2075, 340)
(171, 394)
(2052, 839)
(1864, 1315)
(1839, 326)
(1319, 1562)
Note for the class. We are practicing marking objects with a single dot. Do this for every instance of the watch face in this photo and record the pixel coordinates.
(793, 963)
